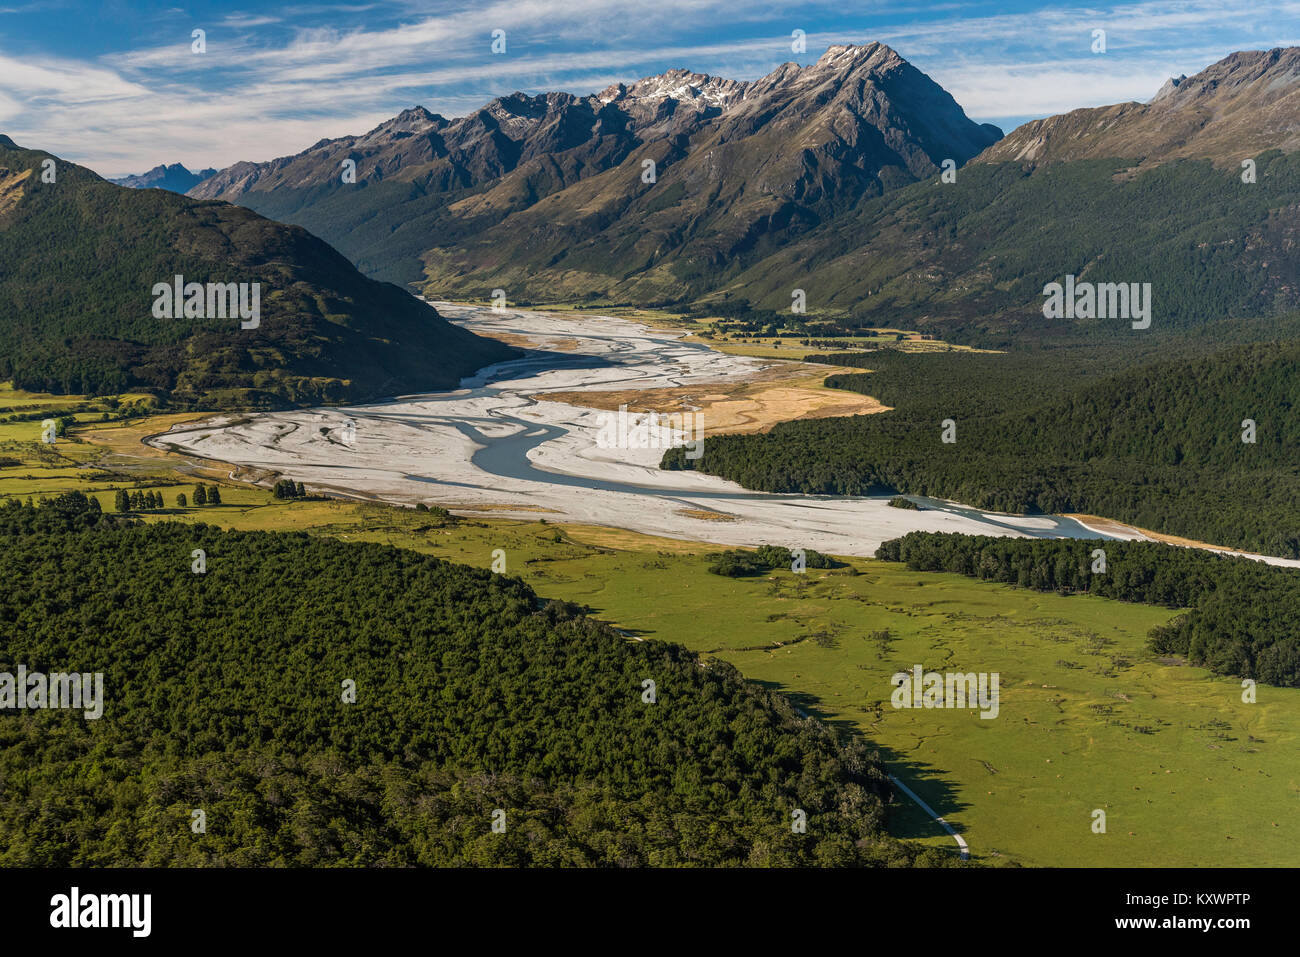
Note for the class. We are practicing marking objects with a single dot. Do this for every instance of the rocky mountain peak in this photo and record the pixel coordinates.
(1170, 85)
(846, 57)
(684, 86)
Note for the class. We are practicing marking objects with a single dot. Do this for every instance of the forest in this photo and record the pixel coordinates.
(1200, 442)
(332, 703)
(1242, 618)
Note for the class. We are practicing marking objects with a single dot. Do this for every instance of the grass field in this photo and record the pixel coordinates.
(785, 347)
(1186, 773)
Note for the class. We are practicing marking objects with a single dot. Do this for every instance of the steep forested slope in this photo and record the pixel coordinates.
(79, 258)
(969, 260)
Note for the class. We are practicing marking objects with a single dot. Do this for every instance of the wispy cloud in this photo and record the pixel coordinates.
(246, 21)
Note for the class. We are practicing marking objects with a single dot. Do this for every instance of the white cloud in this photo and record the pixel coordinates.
(70, 80)
(246, 21)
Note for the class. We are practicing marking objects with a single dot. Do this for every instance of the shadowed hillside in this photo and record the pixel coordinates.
(79, 258)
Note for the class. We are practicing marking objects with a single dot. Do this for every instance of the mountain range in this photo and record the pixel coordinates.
(1239, 107)
(553, 194)
(174, 177)
(824, 178)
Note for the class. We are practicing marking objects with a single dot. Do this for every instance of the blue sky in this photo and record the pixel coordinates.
(116, 86)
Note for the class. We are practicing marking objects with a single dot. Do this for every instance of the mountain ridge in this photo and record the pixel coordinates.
(645, 99)
(1235, 108)
(825, 178)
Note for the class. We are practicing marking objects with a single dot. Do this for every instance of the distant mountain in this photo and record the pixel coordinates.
(552, 196)
(1169, 86)
(79, 262)
(175, 178)
(1237, 108)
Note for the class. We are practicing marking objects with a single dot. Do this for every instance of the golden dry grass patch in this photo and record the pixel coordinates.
(12, 188)
(521, 341)
(775, 395)
(128, 440)
(704, 515)
(620, 539)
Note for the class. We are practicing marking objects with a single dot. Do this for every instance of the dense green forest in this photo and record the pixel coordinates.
(742, 562)
(1157, 444)
(1243, 617)
(225, 692)
(79, 258)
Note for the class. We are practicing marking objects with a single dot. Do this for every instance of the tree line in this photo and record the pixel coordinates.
(1242, 618)
(127, 501)
(741, 562)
